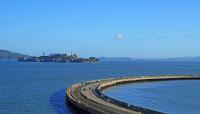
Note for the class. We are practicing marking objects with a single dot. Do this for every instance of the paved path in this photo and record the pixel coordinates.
(84, 95)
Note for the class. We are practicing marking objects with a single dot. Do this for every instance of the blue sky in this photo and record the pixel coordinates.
(111, 28)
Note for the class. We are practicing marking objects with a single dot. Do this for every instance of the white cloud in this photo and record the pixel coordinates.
(118, 36)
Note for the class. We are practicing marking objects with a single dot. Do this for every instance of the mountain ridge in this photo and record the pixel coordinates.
(6, 54)
(196, 59)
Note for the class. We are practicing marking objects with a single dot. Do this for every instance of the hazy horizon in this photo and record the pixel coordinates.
(124, 28)
(106, 57)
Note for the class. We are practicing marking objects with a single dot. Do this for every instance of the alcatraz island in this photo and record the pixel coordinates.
(64, 58)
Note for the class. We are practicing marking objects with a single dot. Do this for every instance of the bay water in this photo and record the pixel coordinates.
(39, 88)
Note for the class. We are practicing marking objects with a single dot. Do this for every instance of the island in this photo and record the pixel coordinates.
(64, 58)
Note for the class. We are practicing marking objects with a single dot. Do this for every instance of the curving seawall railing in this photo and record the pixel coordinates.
(128, 80)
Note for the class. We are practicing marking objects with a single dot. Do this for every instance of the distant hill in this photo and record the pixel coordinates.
(115, 59)
(5, 54)
(195, 59)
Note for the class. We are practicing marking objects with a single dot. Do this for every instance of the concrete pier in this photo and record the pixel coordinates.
(88, 96)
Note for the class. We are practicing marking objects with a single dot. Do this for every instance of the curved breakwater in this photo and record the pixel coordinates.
(88, 96)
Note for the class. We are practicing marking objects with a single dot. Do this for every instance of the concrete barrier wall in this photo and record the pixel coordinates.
(114, 82)
(82, 108)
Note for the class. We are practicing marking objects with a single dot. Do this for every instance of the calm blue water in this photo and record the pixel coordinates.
(39, 88)
(174, 97)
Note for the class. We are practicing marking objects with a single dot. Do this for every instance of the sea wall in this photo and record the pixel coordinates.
(103, 84)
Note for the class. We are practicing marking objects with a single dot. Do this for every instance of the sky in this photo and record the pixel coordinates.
(101, 28)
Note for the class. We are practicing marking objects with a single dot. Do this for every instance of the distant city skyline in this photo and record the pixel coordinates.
(101, 28)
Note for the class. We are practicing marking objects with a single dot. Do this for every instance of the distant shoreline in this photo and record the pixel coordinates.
(9, 55)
